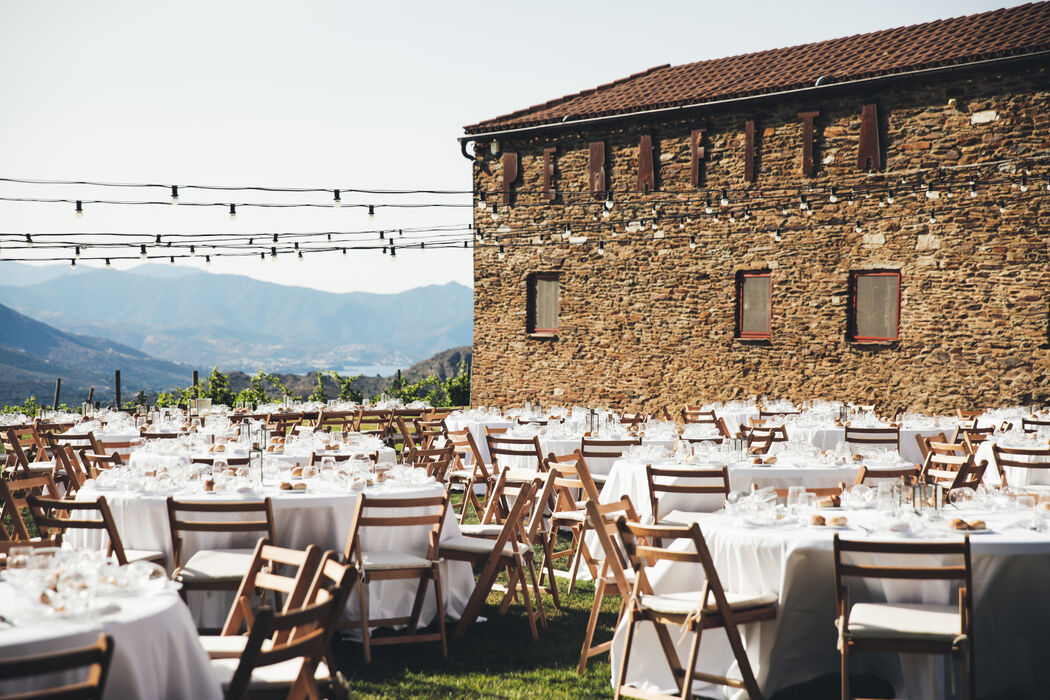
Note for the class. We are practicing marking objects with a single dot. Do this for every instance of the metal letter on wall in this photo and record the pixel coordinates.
(646, 174)
(597, 167)
(548, 173)
(869, 156)
(698, 155)
(510, 174)
(749, 150)
(807, 141)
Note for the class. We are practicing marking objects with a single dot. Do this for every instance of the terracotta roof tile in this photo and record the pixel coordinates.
(1012, 31)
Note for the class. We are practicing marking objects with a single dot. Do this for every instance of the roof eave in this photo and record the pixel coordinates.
(952, 67)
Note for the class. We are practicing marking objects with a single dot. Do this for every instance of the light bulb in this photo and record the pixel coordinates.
(605, 213)
(29, 240)
(233, 211)
(344, 251)
(336, 201)
(1024, 182)
(79, 211)
(108, 263)
(833, 197)
(889, 197)
(207, 260)
(77, 253)
(707, 206)
(692, 243)
(273, 253)
(567, 232)
(608, 202)
(732, 218)
(157, 239)
(262, 256)
(174, 194)
(777, 236)
(73, 262)
(1002, 208)
(300, 256)
(601, 247)
(857, 228)
(481, 201)
(724, 201)
(495, 212)
(933, 218)
(654, 225)
(193, 251)
(142, 252)
(502, 253)
(393, 252)
(172, 260)
(371, 211)
(785, 211)
(973, 190)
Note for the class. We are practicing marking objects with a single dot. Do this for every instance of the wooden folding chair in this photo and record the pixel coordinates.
(614, 577)
(55, 517)
(952, 467)
(374, 422)
(593, 449)
(216, 569)
(508, 551)
(972, 436)
(507, 448)
(879, 437)
(96, 658)
(95, 464)
(1018, 458)
(907, 628)
(294, 667)
(923, 441)
(694, 611)
(696, 414)
(867, 474)
(23, 451)
(15, 494)
(429, 431)
(118, 447)
(342, 421)
(570, 476)
(818, 491)
(760, 438)
(677, 480)
(393, 565)
(471, 472)
(437, 461)
(267, 576)
(778, 415)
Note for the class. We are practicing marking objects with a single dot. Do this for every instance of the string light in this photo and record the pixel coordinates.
(1024, 182)
(833, 197)
(77, 253)
(171, 260)
(371, 211)
(142, 252)
(1002, 207)
(207, 260)
(233, 211)
(857, 228)
(300, 256)
(495, 212)
(79, 211)
(692, 243)
(608, 201)
(502, 252)
(481, 202)
(973, 190)
(29, 240)
(724, 201)
(193, 251)
(777, 235)
(73, 262)
(174, 194)
(108, 264)
(336, 201)
(601, 247)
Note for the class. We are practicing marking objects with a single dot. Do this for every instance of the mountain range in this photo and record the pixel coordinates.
(34, 354)
(206, 320)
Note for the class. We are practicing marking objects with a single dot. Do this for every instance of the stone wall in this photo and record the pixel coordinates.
(652, 322)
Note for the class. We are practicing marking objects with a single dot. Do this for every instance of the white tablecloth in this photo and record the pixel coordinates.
(1015, 476)
(300, 519)
(156, 653)
(148, 459)
(828, 438)
(1012, 614)
(477, 429)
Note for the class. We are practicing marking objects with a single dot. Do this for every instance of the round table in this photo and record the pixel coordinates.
(477, 426)
(1010, 568)
(322, 518)
(156, 653)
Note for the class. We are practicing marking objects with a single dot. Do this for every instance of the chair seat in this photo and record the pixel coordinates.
(461, 475)
(482, 530)
(216, 565)
(228, 646)
(393, 560)
(274, 676)
(900, 620)
(576, 516)
(685, 603)
(475, 545)
(144, 555)
(521, 476)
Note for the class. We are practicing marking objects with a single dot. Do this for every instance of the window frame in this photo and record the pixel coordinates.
(741, 277)
(531, 290)
(851, 321)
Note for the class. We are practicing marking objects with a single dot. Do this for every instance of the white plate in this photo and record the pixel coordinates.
(829, 527)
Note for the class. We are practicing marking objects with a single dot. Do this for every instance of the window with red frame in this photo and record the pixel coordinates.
(875, 305)
(542, 303)
(754, 304)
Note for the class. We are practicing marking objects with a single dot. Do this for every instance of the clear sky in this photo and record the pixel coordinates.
(333, 94)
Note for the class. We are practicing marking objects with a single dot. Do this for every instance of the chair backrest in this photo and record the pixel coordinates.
(159, 435)
(96, 658)
(120, 447)
(923, 441)
(436, 461)
(268, 574)
(602, 518)
(596, 448)
(53, 517)
(84, 441)
(1019, 458)
(262, 523)
(889, 560)
(336, 420)
(975, 434)
(15, 494)
(644, 547)
(510, 447)
(373, 512)
(687, 481)
(866, 474)
(374, 422)
(68, 464)
(465, 447)
(94, 463)
(1033, 425)
(408, 442)
(21, 445)
(874, 436)
(695, 414)
(429, 430)
(764, 415)
(952, 467)
(818, 491)
(570, 473)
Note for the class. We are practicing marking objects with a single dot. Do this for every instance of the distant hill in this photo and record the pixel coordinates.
(239, 323)
(33, 354)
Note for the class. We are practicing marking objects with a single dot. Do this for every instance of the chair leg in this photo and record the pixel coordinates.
(592, 624)
(477, 598)
(537, 589)
(577, 553)
(690, 668)
(440, 611)
(744, 663)
(548, 564)
(362, 596)
(845, 669)
(626, 654)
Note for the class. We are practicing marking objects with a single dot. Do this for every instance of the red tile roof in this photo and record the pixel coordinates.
(1008, 32)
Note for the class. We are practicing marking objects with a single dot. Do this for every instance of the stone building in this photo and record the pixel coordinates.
(865, 218)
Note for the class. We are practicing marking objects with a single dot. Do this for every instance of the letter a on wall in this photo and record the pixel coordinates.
(596, 168)
(646, 174)
(510, 174)
(869, 156)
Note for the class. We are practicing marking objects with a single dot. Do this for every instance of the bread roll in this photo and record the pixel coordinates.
(817, 520)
